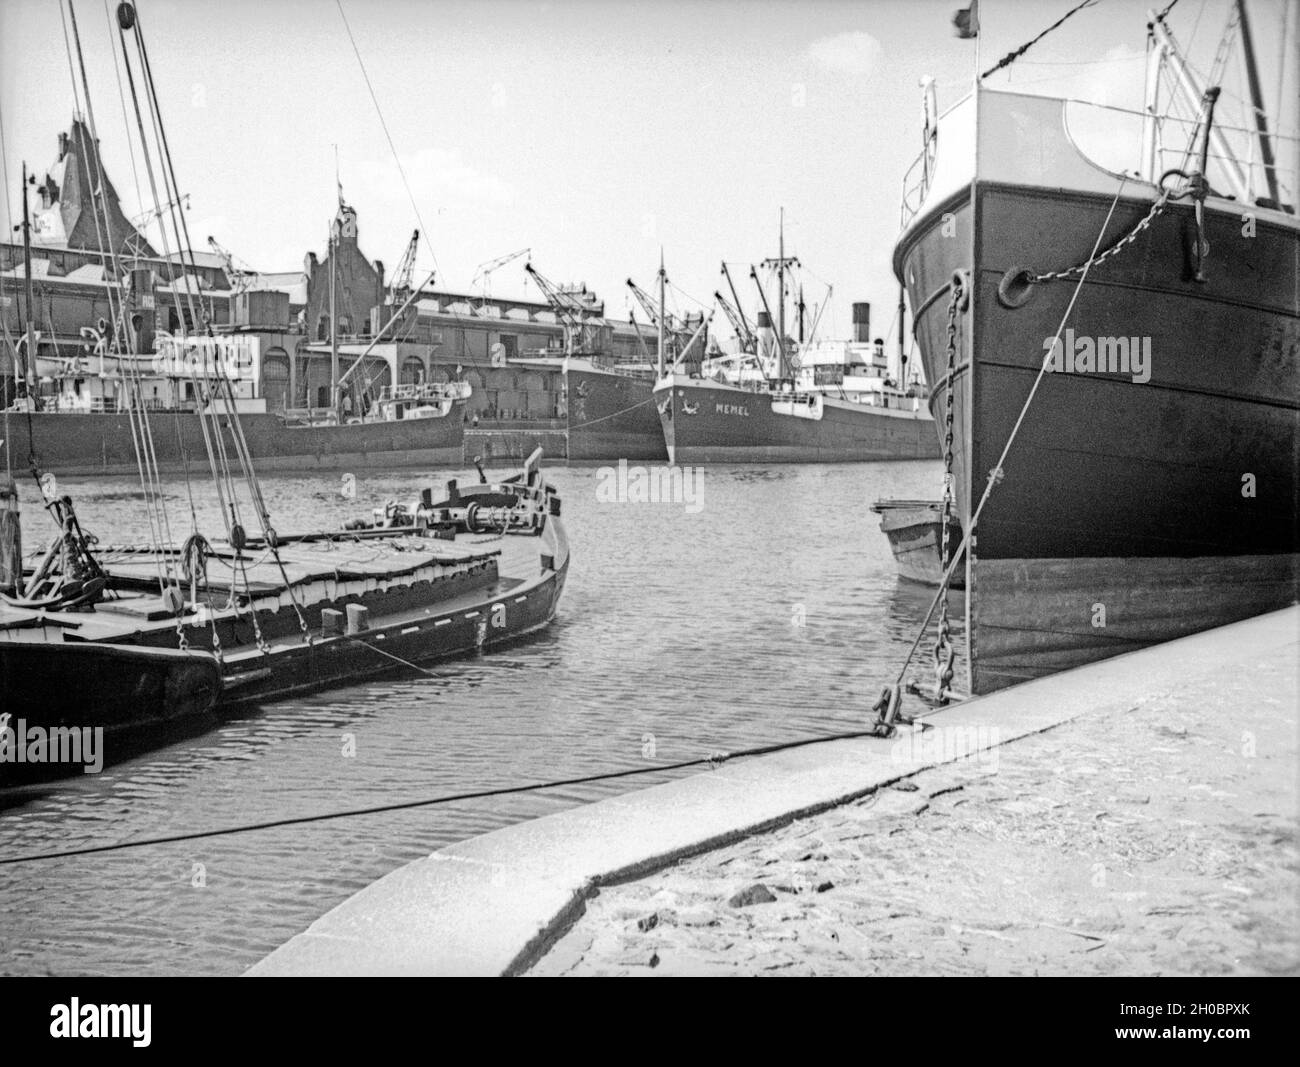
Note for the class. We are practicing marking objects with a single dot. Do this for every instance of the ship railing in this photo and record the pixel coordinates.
(419, 391)
(1111, 136)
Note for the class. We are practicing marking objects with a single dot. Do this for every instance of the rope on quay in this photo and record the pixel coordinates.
(711, 761)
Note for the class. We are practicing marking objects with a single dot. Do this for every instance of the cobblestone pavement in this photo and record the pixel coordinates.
(1158, 841)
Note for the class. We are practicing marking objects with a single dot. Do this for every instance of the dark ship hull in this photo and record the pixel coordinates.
(705, 421)
(102, 444)
(611, 414)
(1129, 511)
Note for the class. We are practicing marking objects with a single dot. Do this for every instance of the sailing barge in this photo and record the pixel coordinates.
(1141, 498)
(479, 566)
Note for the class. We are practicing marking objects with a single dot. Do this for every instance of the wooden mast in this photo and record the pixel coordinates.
(29, 357)
(663, 278)
(335, 394)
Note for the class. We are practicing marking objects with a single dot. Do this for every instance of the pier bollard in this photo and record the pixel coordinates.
(11, 539)
(358, 618)
(331, 621)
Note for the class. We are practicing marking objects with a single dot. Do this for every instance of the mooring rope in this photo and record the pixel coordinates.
(712, 760)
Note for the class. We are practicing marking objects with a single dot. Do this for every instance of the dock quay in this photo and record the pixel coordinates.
(1045, 806)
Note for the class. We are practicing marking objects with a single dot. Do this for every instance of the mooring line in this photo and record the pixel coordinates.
(712, 760)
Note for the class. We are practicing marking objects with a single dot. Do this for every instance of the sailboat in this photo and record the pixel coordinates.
(1114, 356)
(179, 628)
(794, 402)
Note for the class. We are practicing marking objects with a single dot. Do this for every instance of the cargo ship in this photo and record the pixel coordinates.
(785, 400)
(1121, 354)
(841, 405)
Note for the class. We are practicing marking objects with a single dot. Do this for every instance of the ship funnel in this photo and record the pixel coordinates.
(766, 336)
(142, 307)
(862, 323)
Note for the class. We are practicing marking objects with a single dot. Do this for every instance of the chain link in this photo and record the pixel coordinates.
(944, 653)
(1116, 248)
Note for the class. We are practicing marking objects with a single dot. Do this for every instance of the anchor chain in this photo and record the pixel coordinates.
(1166, 194)
(888, 707)
(944, 654)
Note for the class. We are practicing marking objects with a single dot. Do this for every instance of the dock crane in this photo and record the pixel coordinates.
(240, 277)
(575, 314)
(399, 288)
(486, 268)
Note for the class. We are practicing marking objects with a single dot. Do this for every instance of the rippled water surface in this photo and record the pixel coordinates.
(678, 636)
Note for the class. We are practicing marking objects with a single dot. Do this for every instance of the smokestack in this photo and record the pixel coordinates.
(862, 323)
(766, 336)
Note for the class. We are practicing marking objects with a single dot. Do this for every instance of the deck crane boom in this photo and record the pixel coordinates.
(740, 308)
(736, 317)
(651, 307)
(575, 314)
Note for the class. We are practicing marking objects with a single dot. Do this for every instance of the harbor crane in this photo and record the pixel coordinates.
(241, 278)
(146, 216)
(574, 311)
(486, 268)
(400, 287)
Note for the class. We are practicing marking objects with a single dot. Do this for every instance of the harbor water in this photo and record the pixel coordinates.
(764, 607)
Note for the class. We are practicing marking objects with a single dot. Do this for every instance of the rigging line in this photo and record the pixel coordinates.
(1011, 57)
(170, 171)
(153, 493)
(382, 122)
(153, 185)
(126, 125)
(710, 761)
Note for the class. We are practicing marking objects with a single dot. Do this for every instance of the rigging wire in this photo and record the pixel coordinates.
(1012, 56)
(126, 125)
(383, 122)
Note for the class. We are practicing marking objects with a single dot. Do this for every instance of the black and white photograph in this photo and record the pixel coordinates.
(691, 488)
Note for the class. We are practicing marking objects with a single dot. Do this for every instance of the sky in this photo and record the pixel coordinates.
(594, 132)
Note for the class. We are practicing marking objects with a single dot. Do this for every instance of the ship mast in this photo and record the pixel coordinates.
(335, 393)
(781, 263)
(663, 278)
(24, 384)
